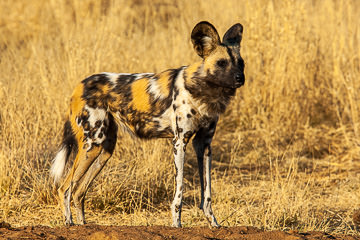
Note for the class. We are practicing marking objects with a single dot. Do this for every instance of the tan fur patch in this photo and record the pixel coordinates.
(219, 53)
(190, 70)
(105, 88)
(77, 105)
(141, 100)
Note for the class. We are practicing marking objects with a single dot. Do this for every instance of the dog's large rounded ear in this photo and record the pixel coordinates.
(205, 38)
(233, 36)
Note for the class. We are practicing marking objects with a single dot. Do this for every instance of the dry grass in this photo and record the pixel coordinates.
(287, 151)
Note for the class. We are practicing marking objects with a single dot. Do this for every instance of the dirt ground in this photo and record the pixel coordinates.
(94, 232)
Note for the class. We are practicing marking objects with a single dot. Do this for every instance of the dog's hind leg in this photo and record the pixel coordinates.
(91, 137)
(58, 167)
(81, 186)
(81, 165)
(84, 182)
(65, 190)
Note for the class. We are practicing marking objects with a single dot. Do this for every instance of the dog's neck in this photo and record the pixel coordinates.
(214, 98)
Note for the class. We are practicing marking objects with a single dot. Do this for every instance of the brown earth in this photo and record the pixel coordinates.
(94, 232)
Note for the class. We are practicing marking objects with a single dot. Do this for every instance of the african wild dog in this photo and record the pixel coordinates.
(177, 103)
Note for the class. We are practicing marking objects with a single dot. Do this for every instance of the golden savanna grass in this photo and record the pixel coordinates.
(286, 152)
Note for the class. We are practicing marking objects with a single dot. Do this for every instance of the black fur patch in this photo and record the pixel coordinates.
(98, 123)
(86, 125)
(177, 208)
(94, 91)
(222, 63)
(125, 79)
(111, 135)
(176, 93)
(230, 54)
(188, 134)
(69, 140)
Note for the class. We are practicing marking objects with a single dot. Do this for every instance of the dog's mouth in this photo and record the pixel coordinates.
(228, 86)
(238, 84)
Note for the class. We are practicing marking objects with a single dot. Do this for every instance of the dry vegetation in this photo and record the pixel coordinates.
(287, 153)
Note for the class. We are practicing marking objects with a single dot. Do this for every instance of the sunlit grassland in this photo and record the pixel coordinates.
(286, 152)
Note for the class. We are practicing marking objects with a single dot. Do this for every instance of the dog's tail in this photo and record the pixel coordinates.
(62, 156)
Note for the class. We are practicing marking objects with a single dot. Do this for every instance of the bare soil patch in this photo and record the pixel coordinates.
(94, 232)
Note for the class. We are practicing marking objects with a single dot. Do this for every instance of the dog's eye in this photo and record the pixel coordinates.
(222, 63)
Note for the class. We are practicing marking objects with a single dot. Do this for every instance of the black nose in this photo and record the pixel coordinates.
(240, 78)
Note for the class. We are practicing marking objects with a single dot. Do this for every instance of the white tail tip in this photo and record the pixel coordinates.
(58, 164)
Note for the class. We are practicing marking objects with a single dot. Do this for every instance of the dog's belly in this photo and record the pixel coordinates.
(150, 128)
(145, 126)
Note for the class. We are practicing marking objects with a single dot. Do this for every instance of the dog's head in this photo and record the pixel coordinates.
(222, 63)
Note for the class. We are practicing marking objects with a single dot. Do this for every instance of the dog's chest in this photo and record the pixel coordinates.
(190, 114)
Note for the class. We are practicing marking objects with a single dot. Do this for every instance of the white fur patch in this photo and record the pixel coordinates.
(207, 41)
(95, 114)
(154, 88)
(58, 164)
(142, 75)
(165, 120)
(113, 77)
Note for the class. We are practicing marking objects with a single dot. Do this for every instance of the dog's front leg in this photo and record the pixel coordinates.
(207, 194)
(179, 158)
(202, 146)
(180, 141)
